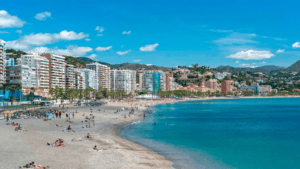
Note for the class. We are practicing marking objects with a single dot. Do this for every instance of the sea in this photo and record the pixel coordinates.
(261, 133)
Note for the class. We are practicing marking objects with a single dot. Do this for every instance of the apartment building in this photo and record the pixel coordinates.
(211, 83)
(226, 86)
(40, 66)
(57, 67)
(2, 62)
(221, 76)
(123, 80)
(102, 73)
(169, 81)
(70, 76)
(90, 78)
(80, 80)
(153, 81)
(21, 74)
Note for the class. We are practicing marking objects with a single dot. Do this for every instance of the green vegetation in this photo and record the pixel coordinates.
(18, 52)
(76, 62)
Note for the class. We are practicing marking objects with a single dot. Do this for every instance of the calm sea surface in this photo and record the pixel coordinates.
(234, 133)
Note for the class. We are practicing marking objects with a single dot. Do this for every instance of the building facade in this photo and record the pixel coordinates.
(39, 65)
(57, 66)
(226, 86)
(80, 80)
(154, 81)
(70, 76)
(123, 80)
(2, 61)
(21, 74)
(102, 73)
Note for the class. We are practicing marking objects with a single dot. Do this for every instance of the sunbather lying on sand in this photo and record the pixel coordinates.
(19, 128)
(16, 124)
(35, 166)
(57, 144)
(77, 139)
(70, 129)
(98, 149)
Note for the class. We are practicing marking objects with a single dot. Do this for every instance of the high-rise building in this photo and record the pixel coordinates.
(169, 81)
(80, 80)
(2, 62)
(70, 76)
(21, 74)
(57, 68)
(123, 80)
(102, 73)
(39, 65)
(226, 86)
(90, 78)
(211, 83)
(153, 81)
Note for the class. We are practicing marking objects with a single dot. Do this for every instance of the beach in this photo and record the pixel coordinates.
(20, 148)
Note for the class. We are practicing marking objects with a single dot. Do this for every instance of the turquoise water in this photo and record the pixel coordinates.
(234, 133)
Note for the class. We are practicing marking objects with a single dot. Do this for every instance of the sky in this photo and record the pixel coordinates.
(158, 32)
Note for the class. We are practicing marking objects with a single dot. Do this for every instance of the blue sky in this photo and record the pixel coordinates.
(164, 33)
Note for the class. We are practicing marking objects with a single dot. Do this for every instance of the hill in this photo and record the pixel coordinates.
(267, 69)
(131, 66)
(294, 67)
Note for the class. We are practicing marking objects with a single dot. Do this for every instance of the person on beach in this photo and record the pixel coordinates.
(19, 128)
(73, 114)
(60, 140)
(56, 114)
(59, 114)
(98, 149)
(69, 128)
(89, 135)
(7, 118)
(57, 144)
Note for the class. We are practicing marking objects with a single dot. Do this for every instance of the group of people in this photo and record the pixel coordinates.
(17, 126)
(58, 143)
(35, 166)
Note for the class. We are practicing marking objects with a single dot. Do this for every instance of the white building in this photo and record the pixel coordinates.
(153, 81)
(21, 74)
(90, 78)
(123, 80)
(102, 73)
(2, 61)
(70, 76)
(221, 76)
(39, 65)
(80, 80)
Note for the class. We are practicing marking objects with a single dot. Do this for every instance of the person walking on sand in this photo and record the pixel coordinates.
(7, 118)
(59, 114)
(73, 114)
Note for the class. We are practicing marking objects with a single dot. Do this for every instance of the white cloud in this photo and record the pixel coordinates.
(103, 48)
(247, 65)
(26, 41)
(263, 62)
(4, 32)
(137, 60)
(252, 55)
(237, 61)
(296, 45)
(87, 39)
(149, 47)
(99, 34)
(220, 31)
(280, 50)
(71, 50)
(148, 64)
(92, 56)
(126, 32)
(123, 52)
(99, 29)
(19, 31)
(43, 16)
(236, 39)
(8, 21)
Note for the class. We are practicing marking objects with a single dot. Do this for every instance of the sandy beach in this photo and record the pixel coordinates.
(20, 148)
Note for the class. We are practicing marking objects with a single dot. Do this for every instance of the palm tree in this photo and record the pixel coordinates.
(55, 91)
(32, 89)
(5, 86)
(11, 99)
(19, 87)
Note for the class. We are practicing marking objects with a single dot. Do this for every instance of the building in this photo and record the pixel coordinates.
(169, 81)
(10, 62)
(21, 74)
(57, 66)
(211, 83)
(153, 81)
(89, 78)
(2, 61)
(39, 65)
(140, 81)
(254, 89)
(266, 88)
(221, 76)
(226, 86)
(123, 80)
(70, 76)
(102, 73)
(80, 80)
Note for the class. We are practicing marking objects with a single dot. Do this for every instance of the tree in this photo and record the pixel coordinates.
(11, 99)
(4, 87)
(55, 91)
(19, 88)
